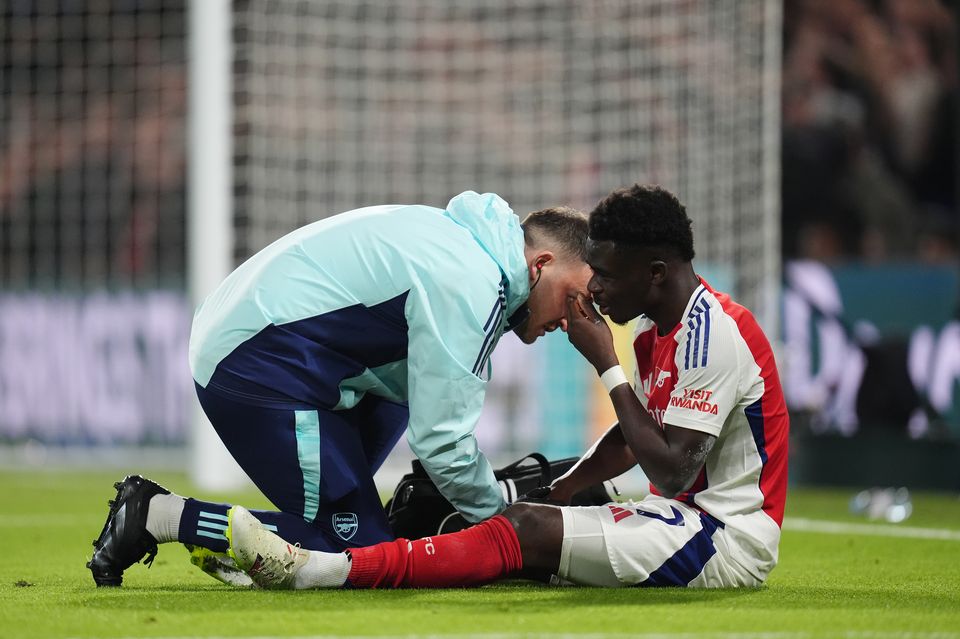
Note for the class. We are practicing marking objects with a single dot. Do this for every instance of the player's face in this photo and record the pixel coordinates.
(548, 299)
(620, 283)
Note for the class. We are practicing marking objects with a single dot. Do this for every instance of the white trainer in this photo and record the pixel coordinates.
(270, 561)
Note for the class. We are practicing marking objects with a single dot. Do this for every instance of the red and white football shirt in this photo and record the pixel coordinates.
(715, 372)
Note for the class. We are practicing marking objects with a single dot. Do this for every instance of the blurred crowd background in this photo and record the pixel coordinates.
(870, 131)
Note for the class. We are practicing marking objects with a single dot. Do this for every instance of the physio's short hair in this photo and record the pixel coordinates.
(560, 228)
(643, 216)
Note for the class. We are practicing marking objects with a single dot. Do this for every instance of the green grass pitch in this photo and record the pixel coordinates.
(857, 580)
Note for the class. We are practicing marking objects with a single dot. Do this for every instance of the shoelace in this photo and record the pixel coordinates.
(151, 555)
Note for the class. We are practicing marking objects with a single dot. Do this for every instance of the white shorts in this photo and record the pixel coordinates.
(654, 542)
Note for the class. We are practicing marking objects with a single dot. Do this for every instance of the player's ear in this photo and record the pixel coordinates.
(658, 271)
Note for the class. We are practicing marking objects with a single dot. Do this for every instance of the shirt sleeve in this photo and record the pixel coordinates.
(448, 345)
(708, 375)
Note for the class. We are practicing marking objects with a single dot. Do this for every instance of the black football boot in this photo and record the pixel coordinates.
(124, 539)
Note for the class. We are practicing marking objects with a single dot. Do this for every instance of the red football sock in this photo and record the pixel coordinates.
(473, 556)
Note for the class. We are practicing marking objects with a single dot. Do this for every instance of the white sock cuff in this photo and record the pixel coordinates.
(323, 570)
(163, 517)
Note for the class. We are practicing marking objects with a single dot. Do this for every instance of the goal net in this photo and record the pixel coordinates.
(323, 106)
(343, 104)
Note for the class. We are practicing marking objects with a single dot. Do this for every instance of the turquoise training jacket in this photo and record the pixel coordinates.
(405, 302)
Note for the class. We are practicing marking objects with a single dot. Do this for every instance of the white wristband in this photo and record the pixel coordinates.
(613, 377)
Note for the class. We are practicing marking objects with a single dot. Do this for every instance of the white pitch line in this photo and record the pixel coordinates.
(879, 530)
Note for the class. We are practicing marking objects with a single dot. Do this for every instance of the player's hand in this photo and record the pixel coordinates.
(589, 333)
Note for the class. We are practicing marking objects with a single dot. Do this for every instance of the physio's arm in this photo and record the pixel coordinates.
(445, 398)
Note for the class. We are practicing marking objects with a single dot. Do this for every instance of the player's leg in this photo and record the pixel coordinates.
(539, 529)
(488, 551)
(524, 541)
(473, 556)
(123, 541)
(654, 542)
(143, 514)
(279, 451)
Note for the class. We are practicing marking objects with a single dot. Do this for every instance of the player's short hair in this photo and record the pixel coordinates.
(643, 216)
(561, 228)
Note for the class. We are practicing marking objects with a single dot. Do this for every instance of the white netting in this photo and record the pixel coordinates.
(92, 111)
(344, 104)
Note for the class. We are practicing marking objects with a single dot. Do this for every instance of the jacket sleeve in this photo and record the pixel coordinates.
(450, 337)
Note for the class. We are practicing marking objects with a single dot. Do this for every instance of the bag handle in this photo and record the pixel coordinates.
(546, 475)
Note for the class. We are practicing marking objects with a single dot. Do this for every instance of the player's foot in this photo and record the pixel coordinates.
(220, 566)
(124, 539)
(269, 560)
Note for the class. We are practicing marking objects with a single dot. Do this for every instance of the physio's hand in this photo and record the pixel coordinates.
(589, 333)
